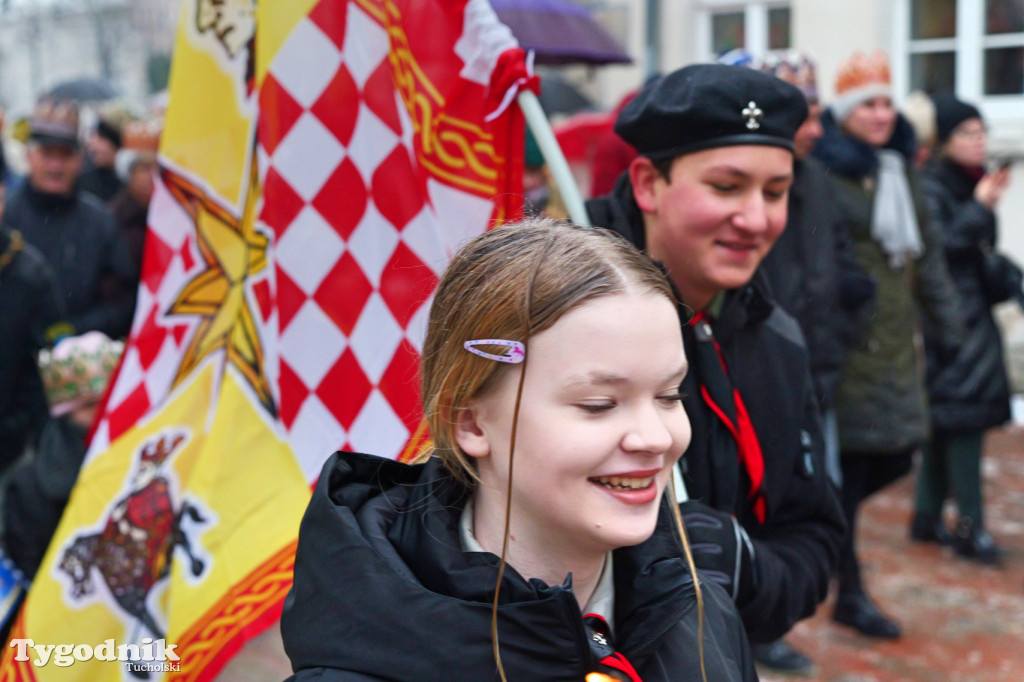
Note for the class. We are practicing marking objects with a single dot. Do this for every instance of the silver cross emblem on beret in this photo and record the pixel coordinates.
(752, 113)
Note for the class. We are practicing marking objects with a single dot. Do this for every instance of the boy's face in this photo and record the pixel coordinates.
(716, 217)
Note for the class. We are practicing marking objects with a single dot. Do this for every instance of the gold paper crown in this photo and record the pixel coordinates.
(77, 370)
(862, 70)
(142, 135)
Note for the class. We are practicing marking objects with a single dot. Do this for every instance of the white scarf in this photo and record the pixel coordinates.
(894, 220)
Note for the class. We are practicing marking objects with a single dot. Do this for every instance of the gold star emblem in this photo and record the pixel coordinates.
(233, 251)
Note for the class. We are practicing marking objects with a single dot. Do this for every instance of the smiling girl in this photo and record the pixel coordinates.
(535, 542)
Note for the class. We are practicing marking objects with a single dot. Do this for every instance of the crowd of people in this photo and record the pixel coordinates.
(651, 438)
(71, 241)
(889, 265)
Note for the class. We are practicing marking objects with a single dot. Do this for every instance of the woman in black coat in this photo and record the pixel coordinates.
(558, 349)
(968, 391)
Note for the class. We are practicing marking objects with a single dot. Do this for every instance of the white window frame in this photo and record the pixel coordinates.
(968, 46)
(755, 24)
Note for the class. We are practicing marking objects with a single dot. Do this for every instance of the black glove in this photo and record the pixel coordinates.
(722, 550)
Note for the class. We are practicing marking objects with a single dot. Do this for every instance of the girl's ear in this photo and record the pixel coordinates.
(468, 434)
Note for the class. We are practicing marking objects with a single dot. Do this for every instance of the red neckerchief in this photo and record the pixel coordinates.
(612, 665)
(747, 444)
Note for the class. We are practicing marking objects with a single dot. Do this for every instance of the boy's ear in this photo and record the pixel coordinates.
(468, 434)
(643, 176)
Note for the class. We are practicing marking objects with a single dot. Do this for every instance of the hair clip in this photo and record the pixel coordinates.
(515, 356)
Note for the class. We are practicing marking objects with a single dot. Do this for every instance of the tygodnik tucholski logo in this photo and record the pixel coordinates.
(150, 656)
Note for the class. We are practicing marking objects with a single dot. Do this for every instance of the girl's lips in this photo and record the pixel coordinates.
(631, 496)
(633, 487)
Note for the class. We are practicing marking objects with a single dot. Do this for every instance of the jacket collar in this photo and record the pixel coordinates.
(953, 177)
(853, 158)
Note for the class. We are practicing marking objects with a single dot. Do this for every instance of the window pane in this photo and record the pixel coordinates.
(932, 19)
(778, 28)
(727, 32)
(1004, 16)
(1004, 71)
(933, 72)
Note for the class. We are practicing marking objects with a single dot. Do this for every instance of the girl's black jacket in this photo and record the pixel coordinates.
(969, 390)
(383, 592)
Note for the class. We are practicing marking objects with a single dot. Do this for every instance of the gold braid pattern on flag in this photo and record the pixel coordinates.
(419, 443)
(262, 591)
(451, 149)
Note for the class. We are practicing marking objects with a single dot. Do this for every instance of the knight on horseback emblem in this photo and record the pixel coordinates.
(134, 549)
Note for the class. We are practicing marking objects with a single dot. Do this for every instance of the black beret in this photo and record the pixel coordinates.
(949, 113)
(711, 105)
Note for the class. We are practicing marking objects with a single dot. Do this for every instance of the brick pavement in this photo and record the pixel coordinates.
(962, 622)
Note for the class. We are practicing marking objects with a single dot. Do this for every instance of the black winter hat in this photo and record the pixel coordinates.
(711, 105)
(109, 131)
(949, 113)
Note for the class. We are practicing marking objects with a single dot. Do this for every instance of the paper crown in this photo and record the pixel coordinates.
(794, 68)
(77, 370)
(54, 121)
(861, 71)
(142, 135)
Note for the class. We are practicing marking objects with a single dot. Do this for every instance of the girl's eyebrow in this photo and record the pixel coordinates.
(602, 378)
(597, 377)
(681, 372)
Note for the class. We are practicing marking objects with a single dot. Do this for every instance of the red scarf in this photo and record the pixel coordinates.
(742, 430)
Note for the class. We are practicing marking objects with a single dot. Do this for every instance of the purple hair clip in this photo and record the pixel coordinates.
(514, 357)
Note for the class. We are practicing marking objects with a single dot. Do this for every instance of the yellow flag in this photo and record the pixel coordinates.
(320, 162)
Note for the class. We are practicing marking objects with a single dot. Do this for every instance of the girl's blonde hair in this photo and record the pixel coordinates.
(511, 283)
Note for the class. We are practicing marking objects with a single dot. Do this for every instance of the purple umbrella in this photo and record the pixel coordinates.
(559, 32)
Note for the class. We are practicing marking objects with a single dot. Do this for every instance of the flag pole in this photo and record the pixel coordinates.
(553, 155)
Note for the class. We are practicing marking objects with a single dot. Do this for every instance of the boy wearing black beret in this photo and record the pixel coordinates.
(707, 199)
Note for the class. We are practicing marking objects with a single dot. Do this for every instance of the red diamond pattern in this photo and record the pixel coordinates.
(186, 254)
(278, 113)
(330, 16)
(344, 389)
(342, 199)
(400, 385)
(124, 416)
(398, 190)
(264, 298)
(393, 188)
(155, 261)
(179, 333)
(150, 339)
(344, 292)
(280, 203)
(338, 106)
(289, 298)
(380, 97)
(405, 284)
(293, 394)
